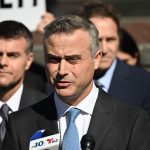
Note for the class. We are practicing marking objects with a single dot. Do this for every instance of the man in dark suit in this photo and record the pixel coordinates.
(72, 53)
(30, 96)
(36, 78)
(16, 56)
(130, 84)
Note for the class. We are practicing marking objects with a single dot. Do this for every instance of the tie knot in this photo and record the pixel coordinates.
(99, 84)
(72, 114)
(4, 111)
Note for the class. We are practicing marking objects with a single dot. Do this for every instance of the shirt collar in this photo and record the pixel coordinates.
(86, 105)
(14, 100)
(106, 79)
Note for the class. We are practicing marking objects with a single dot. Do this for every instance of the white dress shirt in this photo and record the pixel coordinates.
(83, 119)
(14, 101)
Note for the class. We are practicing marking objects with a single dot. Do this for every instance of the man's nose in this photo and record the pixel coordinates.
(3, 60)
(63, 67)
(104, 46)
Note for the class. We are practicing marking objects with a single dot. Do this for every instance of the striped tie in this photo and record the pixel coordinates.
(4, 114)
(71, 137)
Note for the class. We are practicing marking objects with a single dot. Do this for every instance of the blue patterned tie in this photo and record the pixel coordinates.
(4, 114)
(71, 137)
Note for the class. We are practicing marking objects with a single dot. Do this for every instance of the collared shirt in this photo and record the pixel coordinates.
(83, 119)
(14, 101)
(106, 79)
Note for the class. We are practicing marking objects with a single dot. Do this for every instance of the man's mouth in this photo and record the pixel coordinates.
(62, 83)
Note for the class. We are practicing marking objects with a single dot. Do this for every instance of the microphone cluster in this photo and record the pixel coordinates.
(41, 140)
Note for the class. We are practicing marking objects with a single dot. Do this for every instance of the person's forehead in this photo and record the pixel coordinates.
(76, 40)
(103, 22)
(12, 45)
(106, 26)
(62, 39)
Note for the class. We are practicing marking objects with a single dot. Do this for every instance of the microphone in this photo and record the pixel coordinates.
(38, 134)
(40, 140)
(87, 142)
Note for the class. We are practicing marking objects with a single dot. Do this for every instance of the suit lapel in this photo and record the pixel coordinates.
(101, 119)
(30, 97)
(47, 115)
(120, 81)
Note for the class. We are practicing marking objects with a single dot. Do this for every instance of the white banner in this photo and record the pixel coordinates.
(25, 11)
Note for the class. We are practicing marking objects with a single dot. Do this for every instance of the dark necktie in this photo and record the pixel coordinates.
(99, 84)
(71, 137)
(4, 114)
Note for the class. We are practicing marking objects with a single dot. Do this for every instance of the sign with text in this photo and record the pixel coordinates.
(25, 11)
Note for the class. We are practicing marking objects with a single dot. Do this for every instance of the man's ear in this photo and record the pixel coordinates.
(30, 57)
(97, 58)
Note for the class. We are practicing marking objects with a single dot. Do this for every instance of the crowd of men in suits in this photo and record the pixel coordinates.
(79, 69)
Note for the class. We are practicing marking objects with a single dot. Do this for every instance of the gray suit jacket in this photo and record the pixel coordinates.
(114, 125)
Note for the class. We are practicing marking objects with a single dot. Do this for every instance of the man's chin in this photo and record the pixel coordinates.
(62, 92)
(101, 71)
(104, 66)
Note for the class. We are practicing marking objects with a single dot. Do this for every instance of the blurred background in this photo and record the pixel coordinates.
(128, 8)
(135, 18)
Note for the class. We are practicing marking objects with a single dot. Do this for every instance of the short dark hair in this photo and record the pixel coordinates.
(68, 24)
(129, 45)
(99, 9)
(11, 29)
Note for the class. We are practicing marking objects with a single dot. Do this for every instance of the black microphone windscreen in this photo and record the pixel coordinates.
(87, 142)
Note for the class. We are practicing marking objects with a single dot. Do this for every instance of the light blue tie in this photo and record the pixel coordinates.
(71, 137)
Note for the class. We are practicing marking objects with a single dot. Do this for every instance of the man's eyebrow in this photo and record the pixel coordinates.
(53, 56)
(67, 56)
(15, 52)
(11, 53)
(72, 56)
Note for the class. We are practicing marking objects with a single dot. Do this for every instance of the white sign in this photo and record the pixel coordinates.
(25, 11)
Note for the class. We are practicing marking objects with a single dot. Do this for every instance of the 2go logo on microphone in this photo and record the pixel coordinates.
(46, 142)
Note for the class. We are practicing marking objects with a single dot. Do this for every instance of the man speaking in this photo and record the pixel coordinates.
(77, 107)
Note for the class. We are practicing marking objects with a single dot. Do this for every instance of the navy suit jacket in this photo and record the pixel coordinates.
(131, 84)
(114, 125)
